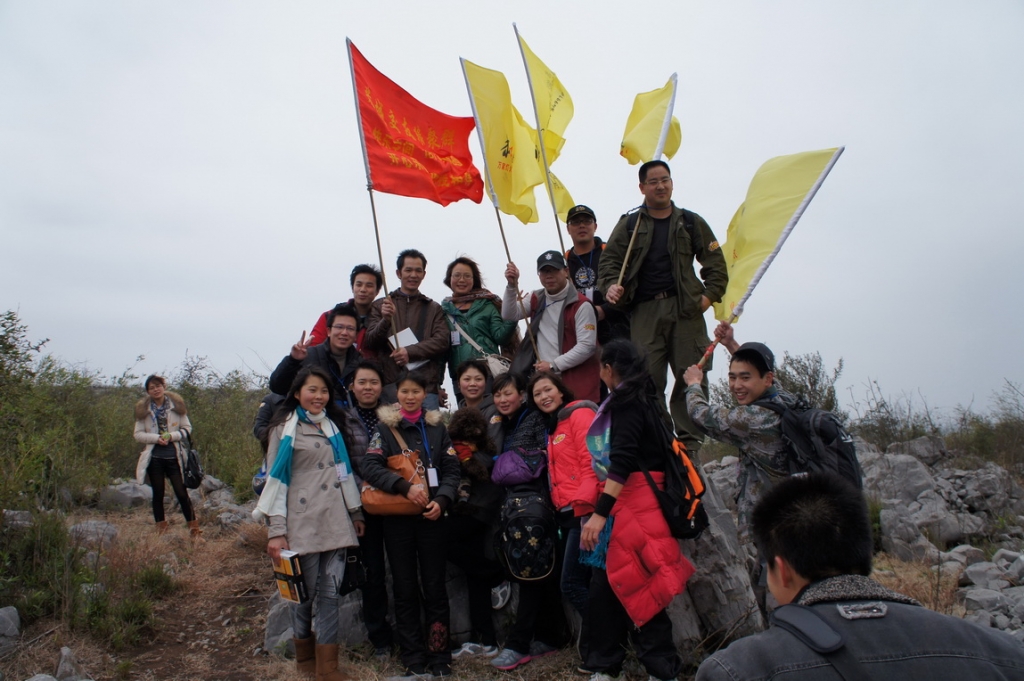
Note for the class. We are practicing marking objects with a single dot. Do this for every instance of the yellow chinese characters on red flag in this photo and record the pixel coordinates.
(412, 149)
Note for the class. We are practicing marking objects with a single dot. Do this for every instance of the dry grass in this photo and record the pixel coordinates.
(934, 589)
(211, 628)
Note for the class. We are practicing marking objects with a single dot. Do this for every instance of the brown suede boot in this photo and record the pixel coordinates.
(327, 663)
(305, 655)
(193, 528)
(161, 527)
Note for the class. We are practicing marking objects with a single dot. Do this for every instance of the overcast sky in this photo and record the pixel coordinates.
(187, 177)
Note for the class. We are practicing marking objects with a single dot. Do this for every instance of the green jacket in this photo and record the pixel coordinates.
(484, 323)
(683, 248)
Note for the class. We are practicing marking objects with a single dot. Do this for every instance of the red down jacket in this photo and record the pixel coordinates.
(569, 459)
(646, 569)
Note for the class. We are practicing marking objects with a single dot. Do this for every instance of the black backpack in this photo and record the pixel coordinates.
(817, 441)
(680, 501)
(527, 539)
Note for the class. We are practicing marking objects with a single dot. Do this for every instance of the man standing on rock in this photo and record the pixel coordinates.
(756, 431)
(665, 299)
(584, 259)
(834, 621)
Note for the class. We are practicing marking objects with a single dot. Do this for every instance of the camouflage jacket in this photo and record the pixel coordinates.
(756, 432)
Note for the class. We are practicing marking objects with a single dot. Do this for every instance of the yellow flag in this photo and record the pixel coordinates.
(509, 144)
(645, 123)
(563, 201)
(764, 219)
(554, 105)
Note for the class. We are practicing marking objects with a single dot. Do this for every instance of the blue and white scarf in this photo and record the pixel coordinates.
(274, 500)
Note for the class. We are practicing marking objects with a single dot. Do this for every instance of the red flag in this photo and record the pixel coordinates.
(411, 149)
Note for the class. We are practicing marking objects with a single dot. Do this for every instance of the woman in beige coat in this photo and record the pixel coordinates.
(161, 423)
(312, 505)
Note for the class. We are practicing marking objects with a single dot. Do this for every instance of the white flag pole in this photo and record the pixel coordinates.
(540, 139)
(738, 310)
(483, 156)
(369, 185)
(667, 123)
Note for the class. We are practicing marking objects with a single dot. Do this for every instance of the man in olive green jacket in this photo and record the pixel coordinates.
(662, 293)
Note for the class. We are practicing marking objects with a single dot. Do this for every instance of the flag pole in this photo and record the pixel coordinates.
(483, 156)
(491, 192)
(540, 140)
(797, 214)
(665, 125)
(369, 185)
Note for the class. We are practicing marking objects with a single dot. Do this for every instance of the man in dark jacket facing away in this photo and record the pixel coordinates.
(337, 355)
(835, 622)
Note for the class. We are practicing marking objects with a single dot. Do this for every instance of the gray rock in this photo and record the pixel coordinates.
(980, 617)
(279, 632)
(1015, 570)
(1001, 622)
(1004, 557)
(19, 520)
(726, 482)
(931, 514)
(902, 538)
(949, 568)
(981, 574)
(42, 677)
(220, 497)
(897, 476)
(984, 599)
(929, 449)
(720, 590)
(211, 484)
(351, 629)
(967, 553)
(125, 495)
(67, 667)
(93, 533)
(992, 489)
(10, 622)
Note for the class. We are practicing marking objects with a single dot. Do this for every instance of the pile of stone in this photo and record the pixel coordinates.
(213, 498)
(926, 504)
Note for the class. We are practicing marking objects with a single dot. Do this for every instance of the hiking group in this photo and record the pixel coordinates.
(561, 471)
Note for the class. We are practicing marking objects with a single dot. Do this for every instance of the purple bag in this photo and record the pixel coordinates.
(519, 465)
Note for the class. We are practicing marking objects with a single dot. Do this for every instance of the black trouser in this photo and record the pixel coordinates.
(540, 615)
(158, 470)
(467, 539)
(375, 591)
(610, 627)
(416, 551)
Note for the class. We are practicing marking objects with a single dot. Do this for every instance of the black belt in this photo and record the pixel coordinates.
(671, 293)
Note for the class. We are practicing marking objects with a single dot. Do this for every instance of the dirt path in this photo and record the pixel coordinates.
(212, 628)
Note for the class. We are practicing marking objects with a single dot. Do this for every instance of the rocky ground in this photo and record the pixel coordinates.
(952, 534)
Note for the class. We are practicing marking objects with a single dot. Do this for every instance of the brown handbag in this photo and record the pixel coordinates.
(407, 464)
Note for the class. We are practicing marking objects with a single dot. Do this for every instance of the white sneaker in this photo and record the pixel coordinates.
(500, 595)
(599, 676)
(470, 649)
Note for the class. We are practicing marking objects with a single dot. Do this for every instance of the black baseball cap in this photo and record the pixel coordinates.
(551, 259)
(579, 210)
(761, 350)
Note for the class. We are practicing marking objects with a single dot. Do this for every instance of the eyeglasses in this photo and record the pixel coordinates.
(582, 222)
(662, 181)
(344, 327)
(464, 275)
